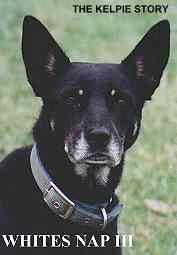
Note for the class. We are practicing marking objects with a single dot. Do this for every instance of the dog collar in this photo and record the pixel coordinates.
(97, 216)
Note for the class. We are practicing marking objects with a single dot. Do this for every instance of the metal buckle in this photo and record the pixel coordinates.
(58, 202)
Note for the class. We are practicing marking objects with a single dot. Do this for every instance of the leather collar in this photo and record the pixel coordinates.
(97, 216)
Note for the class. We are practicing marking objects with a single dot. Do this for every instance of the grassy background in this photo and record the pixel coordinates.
(150, 170)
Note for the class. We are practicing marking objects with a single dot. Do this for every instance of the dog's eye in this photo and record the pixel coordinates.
(76, 98)
(81, 92)
(113, 92)
(116, 95)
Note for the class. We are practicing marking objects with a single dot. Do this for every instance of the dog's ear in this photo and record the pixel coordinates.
(145, 64)
(43, 58)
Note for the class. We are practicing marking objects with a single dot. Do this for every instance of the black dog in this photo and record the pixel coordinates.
(90, 116)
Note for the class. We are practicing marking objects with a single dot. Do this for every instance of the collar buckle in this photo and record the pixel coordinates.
(58, 202)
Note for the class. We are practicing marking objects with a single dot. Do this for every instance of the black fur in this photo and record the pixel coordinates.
(96, 114)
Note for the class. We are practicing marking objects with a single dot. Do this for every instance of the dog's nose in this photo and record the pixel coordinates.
(98, 136)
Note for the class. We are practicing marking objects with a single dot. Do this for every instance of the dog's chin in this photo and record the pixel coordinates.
(94, 177)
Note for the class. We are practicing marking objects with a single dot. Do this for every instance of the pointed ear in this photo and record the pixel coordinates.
(43, 58)
(145, 64)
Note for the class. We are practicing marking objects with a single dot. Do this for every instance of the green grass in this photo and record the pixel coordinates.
(151, 165)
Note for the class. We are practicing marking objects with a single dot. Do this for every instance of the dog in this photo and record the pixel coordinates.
(91, 115)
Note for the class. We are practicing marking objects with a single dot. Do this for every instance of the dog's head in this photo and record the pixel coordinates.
(95, 108)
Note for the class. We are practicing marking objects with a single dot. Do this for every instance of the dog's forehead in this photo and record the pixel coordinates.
(96, 69)
(94, 75)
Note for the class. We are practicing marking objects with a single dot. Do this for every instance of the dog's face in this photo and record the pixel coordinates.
(97, 111)
(96, 108)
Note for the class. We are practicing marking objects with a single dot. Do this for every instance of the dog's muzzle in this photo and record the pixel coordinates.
(93, 216)
(97, 149)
